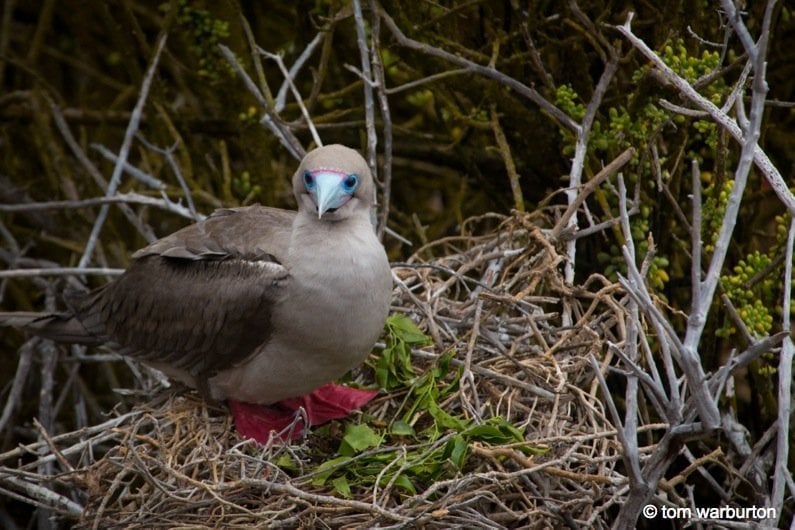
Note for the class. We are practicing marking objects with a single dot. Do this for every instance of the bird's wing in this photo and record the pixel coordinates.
(251, 232)
(199, 300)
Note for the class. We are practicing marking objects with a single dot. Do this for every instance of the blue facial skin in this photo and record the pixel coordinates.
(330, 189)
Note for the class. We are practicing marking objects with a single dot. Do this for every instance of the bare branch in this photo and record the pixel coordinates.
(93, 172)
(60, 271)
(583, 132)
(40, 495)
(168, 154)
(386, 117)
(134, 172)
(486, 71)
(124, 151)
(288, 84)
(125, 198)
(369, 105)
(271, 120)
(781, 471)
(761, 159)
(589, 187)
(297, 95)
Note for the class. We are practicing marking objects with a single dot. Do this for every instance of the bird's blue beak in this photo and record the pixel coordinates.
(330, 189)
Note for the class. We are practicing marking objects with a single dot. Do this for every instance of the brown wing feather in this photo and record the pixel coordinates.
(252, 232)
(199, 299)
(194, 315)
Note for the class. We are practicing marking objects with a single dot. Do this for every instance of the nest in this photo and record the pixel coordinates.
(495, 307)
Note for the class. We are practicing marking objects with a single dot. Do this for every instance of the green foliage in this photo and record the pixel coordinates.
(250, 116)
(567, 100)
(244, 190)
(694, 68)
(752, 288)
(713, 211)
(394, 369)
(691, 67)
(636, 120)
(423, 443)
(204, 34)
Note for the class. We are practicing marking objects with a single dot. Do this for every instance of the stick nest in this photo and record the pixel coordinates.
(498, 302)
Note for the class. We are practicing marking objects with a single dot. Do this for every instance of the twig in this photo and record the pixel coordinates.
(507, 159)
(92, 170)
(695, 230)
(630, 433)
(264, 94)
(288, 84)
(129, 198)
(782, 471)
(41, 496)
(425, 80)
(491, 73)
(589, 187)
(289, 80)
(124, 151)
(45, 436)
(583, 132)
(379, 78)
(369, 104)
(271, 120)
(168, 154)
(60, 271)
(314, 498)
(20, 378)
(130, 169)
(760, 158)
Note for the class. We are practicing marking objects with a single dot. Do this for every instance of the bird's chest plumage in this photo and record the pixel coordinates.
(339, 298)
(335, 302)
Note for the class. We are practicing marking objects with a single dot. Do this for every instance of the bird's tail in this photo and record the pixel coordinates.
(60, 327)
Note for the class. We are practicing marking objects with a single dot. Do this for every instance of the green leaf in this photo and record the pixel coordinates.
(442, 367)
(286, 462)
(383, 369)
(401, 428)
(496, 431)
(445, 419)
(405, 330)
(327, 468)
(533, 450)
(403, 482)
(342, 487)
(456, 451)
(358, 438)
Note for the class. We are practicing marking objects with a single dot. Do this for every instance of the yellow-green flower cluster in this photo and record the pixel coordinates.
(244, 189)
(750, 287)
(566, 99)
(689, 67)
(713, 212)
(205, 34)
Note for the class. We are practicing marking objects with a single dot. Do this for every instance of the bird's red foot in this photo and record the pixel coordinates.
(329, 402)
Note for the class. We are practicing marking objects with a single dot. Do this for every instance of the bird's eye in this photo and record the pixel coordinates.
(350, 183)
(309, 180)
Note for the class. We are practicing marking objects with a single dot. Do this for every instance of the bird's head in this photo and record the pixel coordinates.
(333, 182)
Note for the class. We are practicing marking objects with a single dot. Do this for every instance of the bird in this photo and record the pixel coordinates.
(257, 306)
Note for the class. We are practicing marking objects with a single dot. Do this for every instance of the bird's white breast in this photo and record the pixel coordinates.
(332, 314)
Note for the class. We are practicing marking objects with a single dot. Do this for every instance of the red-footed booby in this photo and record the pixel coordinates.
(258, 306)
